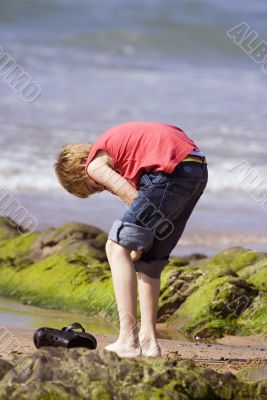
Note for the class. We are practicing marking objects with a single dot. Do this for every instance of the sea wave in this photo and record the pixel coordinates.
(174, 28)
(232, 177)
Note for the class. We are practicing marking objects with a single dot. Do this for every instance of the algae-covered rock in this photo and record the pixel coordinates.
(4, 368)
(8, 228)
(222, 294)
(177, 284)
(68, 239)
(83, 374)
(64, 268)
(67, 268)
(253, 374)
(15, 244)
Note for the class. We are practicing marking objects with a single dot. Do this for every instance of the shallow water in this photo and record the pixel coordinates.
(20, 315)
(15, 314)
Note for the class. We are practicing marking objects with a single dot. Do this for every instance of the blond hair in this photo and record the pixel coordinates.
(69, 159)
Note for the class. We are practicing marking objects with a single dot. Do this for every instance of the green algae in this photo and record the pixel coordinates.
(4, 368)
(64, 268)
(68, 239)
(14, 247)
(197, 307)
(224, 294)
(15, 252)
(61, 282)
(67, 268)
(60, 373)
(253, 374)
(256, 274)
(8, 228)
(253, 320)
(235, 258)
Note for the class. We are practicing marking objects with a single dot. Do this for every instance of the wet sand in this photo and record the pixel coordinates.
(230, 354)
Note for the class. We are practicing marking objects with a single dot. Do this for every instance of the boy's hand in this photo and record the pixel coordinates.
(135, 254)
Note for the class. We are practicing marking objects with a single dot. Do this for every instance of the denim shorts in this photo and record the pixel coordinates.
(157, 217)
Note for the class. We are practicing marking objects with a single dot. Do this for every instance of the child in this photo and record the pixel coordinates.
(160, 173)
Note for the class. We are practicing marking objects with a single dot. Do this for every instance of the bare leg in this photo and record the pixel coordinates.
(125, 287)
(149, 289)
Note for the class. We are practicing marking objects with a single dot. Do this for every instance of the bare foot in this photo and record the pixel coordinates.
(152, 352)
(149, 346)
(124, 350)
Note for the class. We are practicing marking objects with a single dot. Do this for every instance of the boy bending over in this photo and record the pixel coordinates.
(160, 173)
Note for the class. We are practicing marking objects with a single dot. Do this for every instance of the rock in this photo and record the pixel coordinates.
(254, 374)
(4, 368)
(8, 228)
(83, 374)
(68, 239)
(223, 294)
(14, 246)
(66, 268)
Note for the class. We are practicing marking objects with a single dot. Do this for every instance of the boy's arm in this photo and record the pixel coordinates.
(100, 169)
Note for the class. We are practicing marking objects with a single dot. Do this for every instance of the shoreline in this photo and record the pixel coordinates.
(229, 354)
(216, 224)
(66, 269)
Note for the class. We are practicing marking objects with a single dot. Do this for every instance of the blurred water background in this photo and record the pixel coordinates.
(104, 62)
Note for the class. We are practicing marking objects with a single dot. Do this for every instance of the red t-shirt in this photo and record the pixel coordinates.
(142, 146)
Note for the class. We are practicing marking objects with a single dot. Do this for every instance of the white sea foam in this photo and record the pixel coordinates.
(41, 177)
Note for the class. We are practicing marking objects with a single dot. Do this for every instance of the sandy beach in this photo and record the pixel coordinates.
(230, 354)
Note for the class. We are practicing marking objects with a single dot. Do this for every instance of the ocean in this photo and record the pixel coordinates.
(104, 62)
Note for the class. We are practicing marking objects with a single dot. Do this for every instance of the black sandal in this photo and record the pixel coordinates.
(66, 337)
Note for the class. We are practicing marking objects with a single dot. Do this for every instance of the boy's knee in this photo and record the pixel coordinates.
(129, 235)
(109, 244)
(112, 246)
